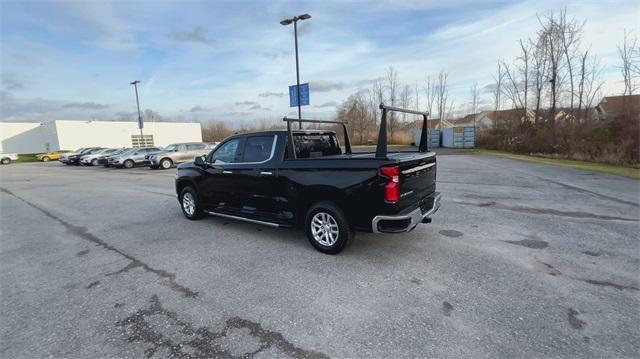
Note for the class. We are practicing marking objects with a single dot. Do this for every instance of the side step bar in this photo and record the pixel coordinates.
(243, 219)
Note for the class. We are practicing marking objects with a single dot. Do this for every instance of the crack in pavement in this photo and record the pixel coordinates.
(549, 211)
(163, 330)
(169, 279)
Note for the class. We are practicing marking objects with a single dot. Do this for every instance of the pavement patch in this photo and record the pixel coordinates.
(165, 333)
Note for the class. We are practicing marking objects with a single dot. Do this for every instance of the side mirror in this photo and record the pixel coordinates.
(199, 161)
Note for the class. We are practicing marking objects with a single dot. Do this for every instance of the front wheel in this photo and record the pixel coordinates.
(94, 162)
(166, 163)
(190, 204)
(128, 164)
(327, 228)
(6, 161)
(45, 159)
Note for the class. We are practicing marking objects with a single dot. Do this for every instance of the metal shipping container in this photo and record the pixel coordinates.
(459, 137)
(434, 138)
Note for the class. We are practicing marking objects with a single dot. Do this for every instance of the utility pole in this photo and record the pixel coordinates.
(140, 124)
(286, 22)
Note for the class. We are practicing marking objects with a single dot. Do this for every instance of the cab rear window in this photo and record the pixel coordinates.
(316, 145)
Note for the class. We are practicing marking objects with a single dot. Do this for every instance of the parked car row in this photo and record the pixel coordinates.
(154, 157)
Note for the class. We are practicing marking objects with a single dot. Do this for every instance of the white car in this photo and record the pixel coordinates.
(92, 159)
(6, 158)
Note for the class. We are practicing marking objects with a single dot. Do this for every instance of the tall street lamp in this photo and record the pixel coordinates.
(286, 22)
(135, 85)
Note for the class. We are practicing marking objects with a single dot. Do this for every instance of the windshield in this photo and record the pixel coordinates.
(170, 148)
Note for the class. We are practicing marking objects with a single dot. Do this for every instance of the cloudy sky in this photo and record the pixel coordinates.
(233, 61)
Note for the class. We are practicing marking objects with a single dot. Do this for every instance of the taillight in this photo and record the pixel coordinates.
(392, 188)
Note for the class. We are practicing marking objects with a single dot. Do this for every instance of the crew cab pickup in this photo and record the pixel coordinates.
(287, 178)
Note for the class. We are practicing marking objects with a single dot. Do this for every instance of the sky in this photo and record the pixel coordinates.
(232, 61)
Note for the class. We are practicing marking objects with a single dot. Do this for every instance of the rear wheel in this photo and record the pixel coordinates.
(45, 159)
(190, 204)
(94, 162)
(166, 163)
(327, 228)
(128, 164)
(5, 161)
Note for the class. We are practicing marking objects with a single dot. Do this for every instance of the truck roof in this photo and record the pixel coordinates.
(280, 131)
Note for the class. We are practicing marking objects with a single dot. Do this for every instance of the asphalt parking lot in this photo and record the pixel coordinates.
(522, 260)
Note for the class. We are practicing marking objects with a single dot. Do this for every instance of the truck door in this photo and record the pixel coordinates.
(219, 184)
(257, 180)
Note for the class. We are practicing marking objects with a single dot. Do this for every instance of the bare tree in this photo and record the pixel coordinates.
(569, 32)
(406, 100)
(442, 94)
(629, 52)
(355, 112)
(539, 72)
(498, 77)
(475, 97)
(392, 84)
(430, 94)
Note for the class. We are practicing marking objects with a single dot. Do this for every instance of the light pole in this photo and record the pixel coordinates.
(135, 85)
(286, 22)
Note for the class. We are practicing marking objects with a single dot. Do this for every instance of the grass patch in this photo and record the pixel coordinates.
(630, 172)
(27, 157)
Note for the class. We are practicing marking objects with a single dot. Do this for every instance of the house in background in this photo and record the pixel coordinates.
(611, 107)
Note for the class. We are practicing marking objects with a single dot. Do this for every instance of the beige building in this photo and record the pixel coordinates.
(24, 137)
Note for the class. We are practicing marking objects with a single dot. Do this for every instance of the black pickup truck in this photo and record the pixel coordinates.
(262, 178)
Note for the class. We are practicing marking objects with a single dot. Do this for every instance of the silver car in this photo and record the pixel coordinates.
(131, 158)
(177, 153)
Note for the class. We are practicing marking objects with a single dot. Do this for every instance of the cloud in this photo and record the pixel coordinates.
(199, 108)
(236, 113)
(258, 107)
(246, 103)
(197, 35)
(326, 86)
(327, 104)
(10, 83)
(274, 94)
(275, 54)
(86, 105)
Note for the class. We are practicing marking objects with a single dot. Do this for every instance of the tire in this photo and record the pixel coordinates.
(128, 164)
(193, 212)
(327, 228)
(94, 162)
(46, 159)
(5, 161)
(166, 163)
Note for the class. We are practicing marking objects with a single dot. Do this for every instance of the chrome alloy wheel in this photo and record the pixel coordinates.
(324, 229)
(188, 204)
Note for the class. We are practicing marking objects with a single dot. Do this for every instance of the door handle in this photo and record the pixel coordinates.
(266, 173)
(227, 172)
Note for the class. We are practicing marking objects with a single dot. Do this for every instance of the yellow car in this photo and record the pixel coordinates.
(51, 156)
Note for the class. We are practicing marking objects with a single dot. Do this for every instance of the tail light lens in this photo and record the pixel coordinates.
(392, 188)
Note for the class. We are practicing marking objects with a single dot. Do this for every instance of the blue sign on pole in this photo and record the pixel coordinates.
(304, 95)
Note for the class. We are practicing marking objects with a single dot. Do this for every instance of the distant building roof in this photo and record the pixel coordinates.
(612, 106)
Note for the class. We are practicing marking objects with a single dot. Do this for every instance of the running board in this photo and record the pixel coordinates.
(243, 219)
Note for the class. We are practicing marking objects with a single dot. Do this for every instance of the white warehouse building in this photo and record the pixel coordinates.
(29, 137)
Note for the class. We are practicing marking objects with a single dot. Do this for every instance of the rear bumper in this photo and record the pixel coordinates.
(406, 222)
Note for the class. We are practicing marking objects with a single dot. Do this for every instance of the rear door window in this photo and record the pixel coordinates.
(258, 148)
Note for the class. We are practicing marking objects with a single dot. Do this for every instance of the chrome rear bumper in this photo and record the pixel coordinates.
(407, 222)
